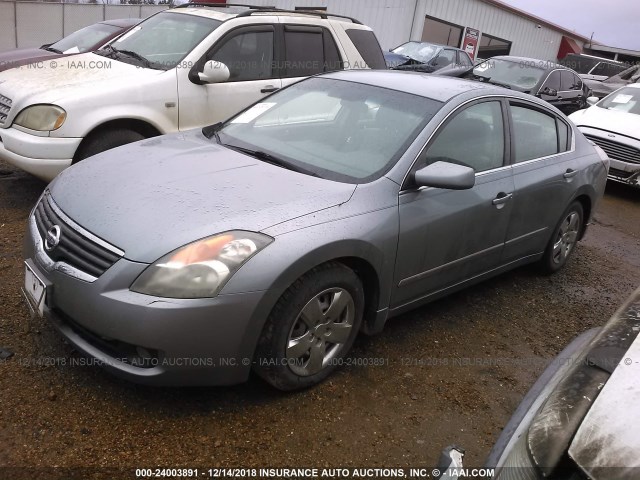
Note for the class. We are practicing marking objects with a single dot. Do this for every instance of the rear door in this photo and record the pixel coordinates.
(449, 236)
(308, 49)
(544, 172)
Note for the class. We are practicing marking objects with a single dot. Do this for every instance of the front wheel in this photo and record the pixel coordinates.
(104, 140)
(564, 239)
(311, 328)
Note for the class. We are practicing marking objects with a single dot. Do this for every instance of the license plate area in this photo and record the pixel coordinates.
(35, 288)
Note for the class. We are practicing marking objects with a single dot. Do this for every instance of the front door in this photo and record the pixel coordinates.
(249, 53)
(449, 236)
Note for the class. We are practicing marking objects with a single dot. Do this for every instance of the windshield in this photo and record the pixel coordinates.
(521, 75)
(163, 40)
(422, 52)
(333, 129)
(85, 39)
(624, 100)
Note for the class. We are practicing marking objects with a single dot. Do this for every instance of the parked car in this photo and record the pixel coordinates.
(580, 419)
(428, 57)
(181, 68)
(86, 39)
(558, 85)
(611, 84)
(271, 240)
(614, 124)
(590, 67)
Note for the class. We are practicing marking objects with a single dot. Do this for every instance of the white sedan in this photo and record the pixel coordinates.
(613, 123)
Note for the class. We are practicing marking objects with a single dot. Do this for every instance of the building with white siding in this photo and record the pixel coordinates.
(502, 29)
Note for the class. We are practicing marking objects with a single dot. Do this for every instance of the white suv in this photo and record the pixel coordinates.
(181, 68)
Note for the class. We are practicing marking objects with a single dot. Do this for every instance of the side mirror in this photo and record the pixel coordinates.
(214, 72)
(552, 92)
(446, 175)
(592, 100)
(46, 45)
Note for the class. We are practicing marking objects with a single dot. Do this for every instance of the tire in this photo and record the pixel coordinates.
(106, 140)
(564, 240)
(295, 350)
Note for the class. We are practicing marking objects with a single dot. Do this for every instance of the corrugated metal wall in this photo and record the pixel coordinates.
(527, 40)
(391, 20)
(397, 21)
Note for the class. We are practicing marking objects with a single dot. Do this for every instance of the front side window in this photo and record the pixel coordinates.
(553, 82)
(535, 134)
(446, 57)
(162, 41)
(248, 55)
(570, 81)
(474, 138)
(335, 129)
(464, 59)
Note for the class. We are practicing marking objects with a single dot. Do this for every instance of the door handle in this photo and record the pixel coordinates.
(269, 89)
(502, 198)
(570, 173)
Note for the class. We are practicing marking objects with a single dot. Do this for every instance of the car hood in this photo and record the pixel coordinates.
(610, 120)
(153, 196)
(23, 56)
(75, 76)
(607, 443)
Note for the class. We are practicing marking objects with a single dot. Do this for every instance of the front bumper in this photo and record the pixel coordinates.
(44, 157)
(624, 172)
(150, 340)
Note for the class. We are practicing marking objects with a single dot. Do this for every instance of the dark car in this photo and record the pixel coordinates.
(580, 419)
(428, 57)
(558, 85)
(613, 83)
(86, 39)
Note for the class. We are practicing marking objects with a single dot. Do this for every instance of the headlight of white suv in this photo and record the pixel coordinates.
(42, 118)
(202, 268)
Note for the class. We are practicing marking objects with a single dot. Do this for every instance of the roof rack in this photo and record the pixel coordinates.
(222, 5)
(262, 9)
(323, 15)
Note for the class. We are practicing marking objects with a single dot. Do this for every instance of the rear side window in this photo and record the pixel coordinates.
(309, 51)
(536, 134)
(367, 45)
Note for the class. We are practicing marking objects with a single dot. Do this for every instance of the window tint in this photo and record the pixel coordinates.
(309, 51)
(534, 132)
(248, 55)
(446, 57)
(569, 81)
(474, 137)
(553, 81)
(368, 47)
(464, 60)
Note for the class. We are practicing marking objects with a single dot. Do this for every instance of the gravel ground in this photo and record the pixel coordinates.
(453, 372)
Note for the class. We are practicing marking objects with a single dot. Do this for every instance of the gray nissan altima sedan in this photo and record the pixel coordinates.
(268, 242)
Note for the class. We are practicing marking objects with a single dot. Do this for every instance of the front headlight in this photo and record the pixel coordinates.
(42, 118)
(202, 268)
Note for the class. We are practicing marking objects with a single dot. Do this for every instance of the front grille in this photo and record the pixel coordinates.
(74, 248)
(5, 108)
(616, 150)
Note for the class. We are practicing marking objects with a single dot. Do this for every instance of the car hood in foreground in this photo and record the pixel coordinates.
(607, 443)
(157, 195)
(23, 56)
(610, 120)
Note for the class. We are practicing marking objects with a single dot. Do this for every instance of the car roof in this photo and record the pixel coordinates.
(432, 43)
(435, 87)
(122, 22)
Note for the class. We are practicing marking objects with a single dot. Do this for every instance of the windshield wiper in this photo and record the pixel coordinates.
(272, 159)
(51, 49)
(492, 82)
(212, 130)
(129, 53)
